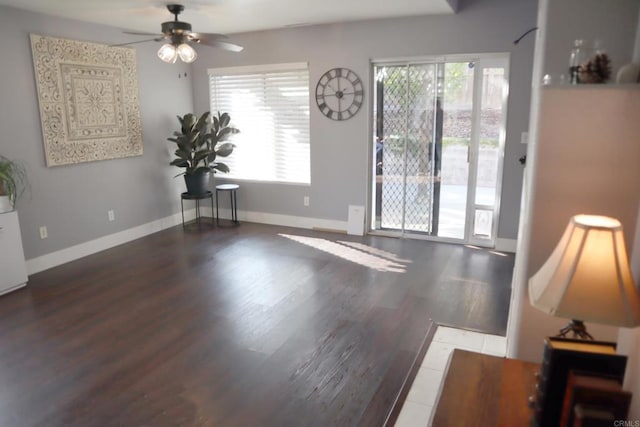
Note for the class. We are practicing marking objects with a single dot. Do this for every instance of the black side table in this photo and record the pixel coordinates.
(197, 198)
(231, 188)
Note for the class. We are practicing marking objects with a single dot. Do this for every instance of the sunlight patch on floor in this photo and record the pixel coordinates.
(473, 247)
(467, 280)
(375, 251)
(498, 253)
(373, 258)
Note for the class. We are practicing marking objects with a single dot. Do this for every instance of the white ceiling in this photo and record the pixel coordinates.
(231, 16)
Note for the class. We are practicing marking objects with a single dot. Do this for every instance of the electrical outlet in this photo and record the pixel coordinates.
(111, 215)
(306, 200)
(43, 232)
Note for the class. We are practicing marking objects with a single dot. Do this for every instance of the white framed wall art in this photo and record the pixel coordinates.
(89, 100)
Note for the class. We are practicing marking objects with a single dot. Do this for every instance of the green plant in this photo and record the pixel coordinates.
(198, 140)
(13, 179)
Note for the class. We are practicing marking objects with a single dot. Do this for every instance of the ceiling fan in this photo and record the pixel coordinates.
(179, 38)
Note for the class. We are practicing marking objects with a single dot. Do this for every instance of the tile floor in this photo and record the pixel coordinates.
(418, 406)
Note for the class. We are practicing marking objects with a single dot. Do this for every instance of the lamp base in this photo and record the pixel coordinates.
(577, 328)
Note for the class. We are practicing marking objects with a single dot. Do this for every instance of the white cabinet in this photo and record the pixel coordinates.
(13, 269)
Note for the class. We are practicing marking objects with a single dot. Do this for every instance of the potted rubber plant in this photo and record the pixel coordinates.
(201, 141)
(13, 181)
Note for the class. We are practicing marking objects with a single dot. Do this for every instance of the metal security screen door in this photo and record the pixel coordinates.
(405, 140)
(438, 148)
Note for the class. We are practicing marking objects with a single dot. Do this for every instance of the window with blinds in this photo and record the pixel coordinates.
(270, 106)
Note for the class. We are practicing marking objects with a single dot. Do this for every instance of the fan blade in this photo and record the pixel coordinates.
(210, 36)
(157, 39)
(222, 45)
(136, 33)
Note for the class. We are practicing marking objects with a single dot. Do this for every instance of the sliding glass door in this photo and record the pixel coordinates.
(438, 148)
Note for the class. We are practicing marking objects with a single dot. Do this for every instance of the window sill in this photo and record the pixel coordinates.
(258, 181)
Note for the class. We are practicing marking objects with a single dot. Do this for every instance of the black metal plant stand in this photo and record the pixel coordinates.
(197, 198)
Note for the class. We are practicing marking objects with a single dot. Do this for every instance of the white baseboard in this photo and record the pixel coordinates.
(287, 220)
(53, 259)
(63, 256)
(13, 288)
(72, 253)
(506, 245)
(279, 219)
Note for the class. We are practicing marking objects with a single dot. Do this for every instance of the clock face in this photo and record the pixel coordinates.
(339, 93)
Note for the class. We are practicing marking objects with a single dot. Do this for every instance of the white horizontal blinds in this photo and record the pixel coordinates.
(271, 109)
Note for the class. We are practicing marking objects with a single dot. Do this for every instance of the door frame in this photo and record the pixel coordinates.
(489, 62)
(502, 58)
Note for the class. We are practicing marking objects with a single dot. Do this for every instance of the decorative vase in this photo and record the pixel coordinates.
(197, 182)
(577, 57)
(5, 204)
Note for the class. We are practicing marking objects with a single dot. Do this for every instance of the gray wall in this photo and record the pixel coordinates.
(340, 150)
(612, 22)
(72, 201)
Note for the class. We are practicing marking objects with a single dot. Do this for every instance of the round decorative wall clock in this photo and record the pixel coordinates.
(339, 93)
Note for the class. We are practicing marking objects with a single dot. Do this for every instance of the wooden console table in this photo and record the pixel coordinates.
(482, 390)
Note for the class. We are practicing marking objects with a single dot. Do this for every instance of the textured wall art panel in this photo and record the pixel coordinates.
(88, 97)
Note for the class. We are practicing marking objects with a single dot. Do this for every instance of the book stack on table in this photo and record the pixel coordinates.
(579, 373)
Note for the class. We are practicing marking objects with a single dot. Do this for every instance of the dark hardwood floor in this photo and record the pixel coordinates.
(250, 326)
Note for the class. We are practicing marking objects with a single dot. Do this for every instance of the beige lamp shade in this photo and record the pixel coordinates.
(587, 277)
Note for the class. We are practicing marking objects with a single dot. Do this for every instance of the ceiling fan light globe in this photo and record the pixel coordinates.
(168, 53)
(187, 53)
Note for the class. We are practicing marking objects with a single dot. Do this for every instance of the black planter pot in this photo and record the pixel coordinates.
(197, 183)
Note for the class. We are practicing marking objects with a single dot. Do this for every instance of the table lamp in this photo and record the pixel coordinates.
(586, 278)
